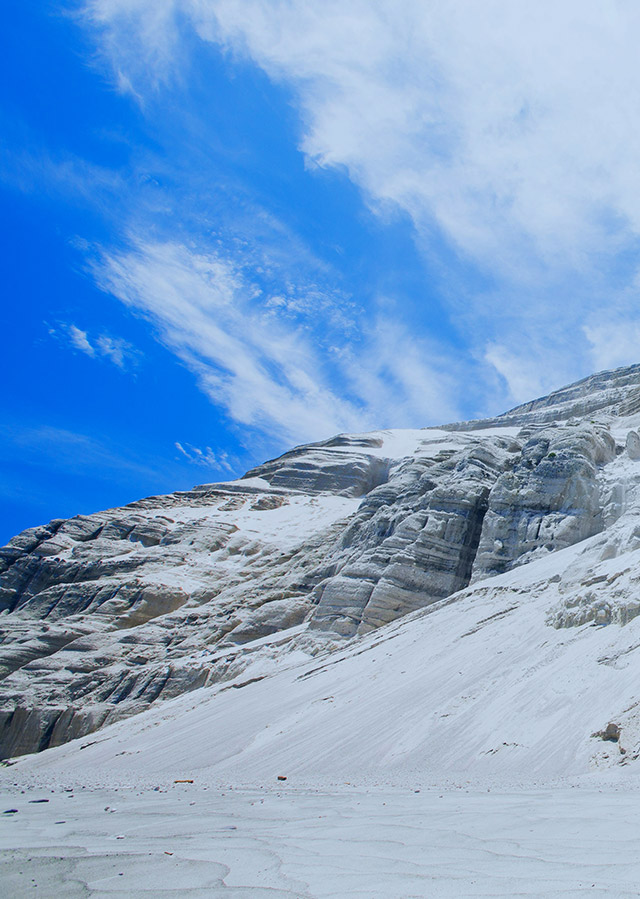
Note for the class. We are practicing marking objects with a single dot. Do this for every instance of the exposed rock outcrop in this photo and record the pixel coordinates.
(104, 614)
(326, 468)
(548, 500)
(632, 445)
(413, 541)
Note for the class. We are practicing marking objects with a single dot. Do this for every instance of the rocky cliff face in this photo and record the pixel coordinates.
(102, 615)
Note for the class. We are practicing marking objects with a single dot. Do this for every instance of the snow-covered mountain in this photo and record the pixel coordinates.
(494, 553)
(388, 665)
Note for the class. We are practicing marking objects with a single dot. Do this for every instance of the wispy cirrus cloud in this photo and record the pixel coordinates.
(263, 375)
(266, 373)
(506, 129)
(139, 39)
(60, 174)
(66, 451)
(206, 458)
(99, 346)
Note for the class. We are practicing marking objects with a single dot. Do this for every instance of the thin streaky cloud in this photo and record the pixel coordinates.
(47, 446)
(59, 174)
(263, 371)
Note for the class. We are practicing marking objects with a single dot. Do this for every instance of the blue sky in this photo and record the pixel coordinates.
(231, 227)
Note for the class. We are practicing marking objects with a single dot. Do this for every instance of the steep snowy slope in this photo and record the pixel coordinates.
(511, 676)
(105, 614)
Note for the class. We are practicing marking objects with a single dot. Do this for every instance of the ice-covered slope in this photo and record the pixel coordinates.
(105, 614)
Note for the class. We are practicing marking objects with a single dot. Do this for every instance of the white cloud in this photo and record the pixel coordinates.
(80, 341)
(614, 343)
(403, 378)
(512, 125)
(524, 382)
(118, 351)
(266, 371)
(510, 128)
(61, 174)
(261, 374)
(206, 457)
(139, 39)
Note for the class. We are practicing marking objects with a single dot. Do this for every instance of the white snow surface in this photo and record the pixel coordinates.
(299, 517)
(400, 443)
(477, 702)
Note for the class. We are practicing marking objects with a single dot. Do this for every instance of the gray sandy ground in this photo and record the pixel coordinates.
(328, 842)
